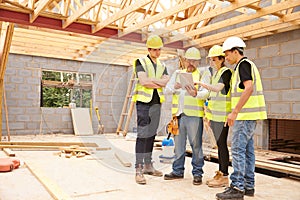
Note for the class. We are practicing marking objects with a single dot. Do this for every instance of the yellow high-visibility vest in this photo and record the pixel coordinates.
(142, 93)
(192, 106)
(219, 105)
(255, 107)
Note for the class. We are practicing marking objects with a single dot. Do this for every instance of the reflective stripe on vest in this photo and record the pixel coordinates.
(219, 105)
(192, 106)
(255, 107)
(144, 94)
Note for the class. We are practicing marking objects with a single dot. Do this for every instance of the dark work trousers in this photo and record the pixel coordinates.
(221, 134)
(148, 117)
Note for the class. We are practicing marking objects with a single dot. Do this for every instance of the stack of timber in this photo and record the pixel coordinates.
(268, 160)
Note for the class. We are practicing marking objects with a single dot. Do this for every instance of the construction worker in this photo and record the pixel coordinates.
(151, 76)
(248, 106)
(217, 110)
(187, 105)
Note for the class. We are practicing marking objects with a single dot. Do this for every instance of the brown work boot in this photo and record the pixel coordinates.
(150, 170)
(219, 180)
(139, 176)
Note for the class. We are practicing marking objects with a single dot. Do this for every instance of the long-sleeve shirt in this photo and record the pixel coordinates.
(202, 93)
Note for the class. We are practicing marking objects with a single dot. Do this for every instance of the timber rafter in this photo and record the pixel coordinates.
(182, 23)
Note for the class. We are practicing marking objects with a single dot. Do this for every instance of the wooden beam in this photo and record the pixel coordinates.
(235, 20)
(81, 144)
(246, 31)
(206, 15)
(52, 187)
(122, 13)
(53, 23)
(160, 16)
(6, 32)
(9, 152)
(42, 4)
(5, 43)
(80, 12)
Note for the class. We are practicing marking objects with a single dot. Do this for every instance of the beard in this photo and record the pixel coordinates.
(190, 68)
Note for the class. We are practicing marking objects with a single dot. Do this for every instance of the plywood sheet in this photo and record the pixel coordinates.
(81, 121)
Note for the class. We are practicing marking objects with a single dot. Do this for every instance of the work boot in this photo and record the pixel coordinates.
(172, 176)
(231, 193)
(150, 170)
(249, 192)
(197, 180)
(139, 176)
(219, 180)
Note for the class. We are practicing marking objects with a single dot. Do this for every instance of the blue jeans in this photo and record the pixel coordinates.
(191, 128)
(243, 157)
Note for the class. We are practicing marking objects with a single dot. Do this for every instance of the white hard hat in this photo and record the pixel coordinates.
(192, 53)
(232, 42)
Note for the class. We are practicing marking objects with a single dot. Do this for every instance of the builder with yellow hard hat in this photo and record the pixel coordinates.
(152, 76)
(187, 105)
(248, 106)
(218, 107)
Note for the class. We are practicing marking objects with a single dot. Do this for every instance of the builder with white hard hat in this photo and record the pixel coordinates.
(187, 105)
(248, 106)
(148, 94)
(218, 107)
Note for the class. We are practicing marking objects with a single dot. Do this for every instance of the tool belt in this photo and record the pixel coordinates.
(172, 127)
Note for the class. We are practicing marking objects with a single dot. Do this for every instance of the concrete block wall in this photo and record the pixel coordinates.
(23, 92)
(278, 60)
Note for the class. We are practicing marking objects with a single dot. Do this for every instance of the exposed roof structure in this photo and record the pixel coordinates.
(98, 30)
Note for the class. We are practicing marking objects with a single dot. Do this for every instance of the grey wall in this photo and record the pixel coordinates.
(22, 86)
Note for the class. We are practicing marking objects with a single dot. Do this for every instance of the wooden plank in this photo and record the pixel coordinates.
(80, 144)
(9, 152)
(6, 32)
(263, 160)
(52, 187)
(30, 147)
(122, 159)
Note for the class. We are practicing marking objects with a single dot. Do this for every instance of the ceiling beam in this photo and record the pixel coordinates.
(245, 31)
(42, 4)
(80, 12)
(235, 20)
(122, 13)
(52, 23)
(207, 15)
(179, 7)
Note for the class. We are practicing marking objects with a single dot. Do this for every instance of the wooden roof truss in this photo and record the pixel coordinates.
(200, 23)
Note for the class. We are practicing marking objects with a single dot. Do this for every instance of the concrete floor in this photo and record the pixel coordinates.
(102, 176)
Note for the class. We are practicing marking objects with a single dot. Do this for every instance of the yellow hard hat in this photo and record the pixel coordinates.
(154, 42)
(215, 51)
(192, 53)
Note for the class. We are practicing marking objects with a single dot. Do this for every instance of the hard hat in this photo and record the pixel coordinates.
(192, 53)
(215, 51)
(154, 42)
(231, 42)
